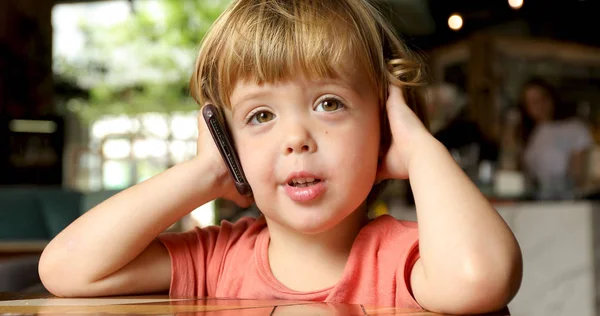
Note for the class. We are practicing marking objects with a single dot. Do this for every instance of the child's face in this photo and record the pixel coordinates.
(293, 131)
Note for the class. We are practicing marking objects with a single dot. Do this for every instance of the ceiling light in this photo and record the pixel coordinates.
(455, 22)
(515, 4)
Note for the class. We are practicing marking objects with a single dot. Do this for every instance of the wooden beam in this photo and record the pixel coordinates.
(547, 49)
(481, 83)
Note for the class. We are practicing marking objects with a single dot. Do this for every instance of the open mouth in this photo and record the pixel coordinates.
(303, 182)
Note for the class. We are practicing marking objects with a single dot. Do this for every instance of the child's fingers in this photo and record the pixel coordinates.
(204, 137)
(395, 95)
(396, 107)
(403, 121)
(200, 122)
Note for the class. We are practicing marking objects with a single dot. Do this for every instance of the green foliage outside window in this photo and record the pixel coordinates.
(140, 65)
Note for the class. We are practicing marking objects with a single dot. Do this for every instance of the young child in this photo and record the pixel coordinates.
(318, 97)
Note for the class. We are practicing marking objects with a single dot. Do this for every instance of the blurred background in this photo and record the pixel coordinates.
(94, 99)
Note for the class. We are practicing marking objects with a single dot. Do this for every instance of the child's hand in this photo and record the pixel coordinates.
(209, 153)
(408, 132)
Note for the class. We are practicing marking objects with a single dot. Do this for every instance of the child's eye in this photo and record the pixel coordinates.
(329, 105)
(260, 117)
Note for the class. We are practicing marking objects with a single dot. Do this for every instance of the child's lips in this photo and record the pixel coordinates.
(305, 193)
(301, 175)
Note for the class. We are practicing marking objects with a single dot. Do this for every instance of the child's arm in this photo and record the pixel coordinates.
(470, 260)
(112, 250)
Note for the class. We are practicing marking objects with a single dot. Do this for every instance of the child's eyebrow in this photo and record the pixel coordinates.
(336, 82)
(350, 86)
(251, 95)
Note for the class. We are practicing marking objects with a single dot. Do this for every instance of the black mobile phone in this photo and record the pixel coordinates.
(215, 120)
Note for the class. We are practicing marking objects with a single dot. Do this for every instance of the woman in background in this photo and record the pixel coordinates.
(555, 142)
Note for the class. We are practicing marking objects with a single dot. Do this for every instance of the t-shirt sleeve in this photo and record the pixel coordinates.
(404, 293)
(190, 254)
(197, 256)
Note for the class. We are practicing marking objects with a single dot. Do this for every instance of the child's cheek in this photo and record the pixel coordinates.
(254, 164)
(245, 156)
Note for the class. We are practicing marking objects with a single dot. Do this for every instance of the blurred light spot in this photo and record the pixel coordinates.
(182, 150)
(205, 214)
(116, 174)
(455, 22)
(156, 124)
(144, 148)
(113, 125)
(184, 126)
(515, 4)
(32, 126)
(116, 148)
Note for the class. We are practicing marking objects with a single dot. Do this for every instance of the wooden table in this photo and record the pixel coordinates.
(23, 304)
(10, 249)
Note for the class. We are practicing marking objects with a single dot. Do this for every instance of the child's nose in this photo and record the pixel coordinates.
(298, 139)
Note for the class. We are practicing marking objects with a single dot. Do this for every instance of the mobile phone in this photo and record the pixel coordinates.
(215, 120)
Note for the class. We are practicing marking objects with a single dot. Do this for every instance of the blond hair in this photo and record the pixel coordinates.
(273, 40)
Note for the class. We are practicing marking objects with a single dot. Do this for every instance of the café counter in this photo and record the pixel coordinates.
(560, 241)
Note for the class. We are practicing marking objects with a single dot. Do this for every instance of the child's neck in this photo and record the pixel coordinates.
(318, 260)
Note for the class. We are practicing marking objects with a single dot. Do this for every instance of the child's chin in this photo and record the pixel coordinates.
(312, 224)
(308, 219)
(312, 229)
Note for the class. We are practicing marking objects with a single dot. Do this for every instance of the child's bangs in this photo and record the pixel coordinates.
(283, 51)
(281, 40)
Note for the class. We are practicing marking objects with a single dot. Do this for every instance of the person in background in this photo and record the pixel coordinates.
(452, 126)
(554, 142)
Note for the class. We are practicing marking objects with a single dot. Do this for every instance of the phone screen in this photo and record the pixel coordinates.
(215, 120)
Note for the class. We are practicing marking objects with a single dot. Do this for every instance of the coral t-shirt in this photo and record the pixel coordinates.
(230, 261)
